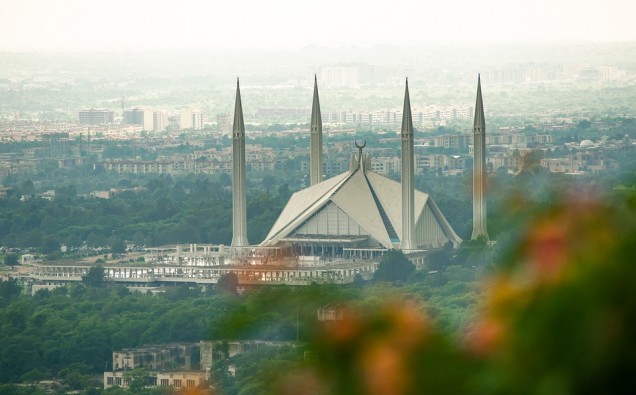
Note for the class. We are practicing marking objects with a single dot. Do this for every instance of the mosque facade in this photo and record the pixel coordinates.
(360, 209)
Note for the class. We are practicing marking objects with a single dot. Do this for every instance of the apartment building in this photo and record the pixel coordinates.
(191, 119)
(139, 116)
(96, 116)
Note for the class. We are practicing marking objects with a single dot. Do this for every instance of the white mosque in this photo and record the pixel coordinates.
(330, 232)
(360, 209)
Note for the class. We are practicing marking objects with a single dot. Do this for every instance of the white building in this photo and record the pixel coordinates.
(96, 116)
(159, 120)
(181, 380)
(139, 116)
(356, 209)
(175, 379)
(341, 77)
(147, 118)
(191, 119)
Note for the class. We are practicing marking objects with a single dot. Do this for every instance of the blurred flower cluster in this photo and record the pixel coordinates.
(558, 317)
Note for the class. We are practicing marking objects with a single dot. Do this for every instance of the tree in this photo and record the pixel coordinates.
(49, 245)
(9, 289)
(96, 239)
(33, 376)
(15, 389)
(26, 187)
(66, 192)
(137, 379)
(269, 181)
(394, 267)
(284, 193)
(11, 260)
(441, 258)
(532, 161)
(139, 239)
(225, 179)
(437, 260)
(95, 277)
(584, 124)
(228, 283)
(117, 246)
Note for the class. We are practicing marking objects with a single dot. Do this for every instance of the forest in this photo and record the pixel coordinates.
(191, 210)
(70, 332)
(550, 310)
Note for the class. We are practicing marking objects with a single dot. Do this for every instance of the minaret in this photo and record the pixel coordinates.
(408, 195)
(315, 155)
(239, 200)
(479, 168)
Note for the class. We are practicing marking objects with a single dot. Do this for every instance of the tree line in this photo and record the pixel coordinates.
(162, 212)
(70, 332)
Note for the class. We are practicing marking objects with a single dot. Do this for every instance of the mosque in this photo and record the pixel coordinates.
(330, 232)
(360, 209)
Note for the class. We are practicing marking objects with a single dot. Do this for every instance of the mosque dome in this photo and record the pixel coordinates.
(586, 143)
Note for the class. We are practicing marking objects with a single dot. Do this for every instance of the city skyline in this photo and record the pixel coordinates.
(73, 25)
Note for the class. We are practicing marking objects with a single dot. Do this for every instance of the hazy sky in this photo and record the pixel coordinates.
(27, 25)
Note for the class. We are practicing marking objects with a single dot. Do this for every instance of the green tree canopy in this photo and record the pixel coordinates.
(117, 246)
(9, 290)
(95, 277)
(394, 266)
(228, 283)
(11, 259)
(50, 244)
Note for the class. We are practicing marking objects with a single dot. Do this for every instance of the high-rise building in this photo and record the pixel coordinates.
(191, 119)
(139, 116)
(96, 116)
(148, 119)
(341, 77)
(224, 123)
(59, 145)
(159, 120)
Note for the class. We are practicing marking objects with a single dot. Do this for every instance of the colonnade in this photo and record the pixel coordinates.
(336, 274)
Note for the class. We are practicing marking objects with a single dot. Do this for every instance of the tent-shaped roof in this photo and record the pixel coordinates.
(369, 200)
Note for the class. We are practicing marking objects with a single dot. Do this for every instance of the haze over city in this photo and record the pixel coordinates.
(327, 197)
(119, 25)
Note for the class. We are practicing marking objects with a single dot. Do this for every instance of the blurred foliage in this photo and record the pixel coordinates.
(258, 372)
(558, 316)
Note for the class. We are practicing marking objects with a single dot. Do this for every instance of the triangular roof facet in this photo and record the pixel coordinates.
(367, 198)
(355, 199)
(304, 203)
